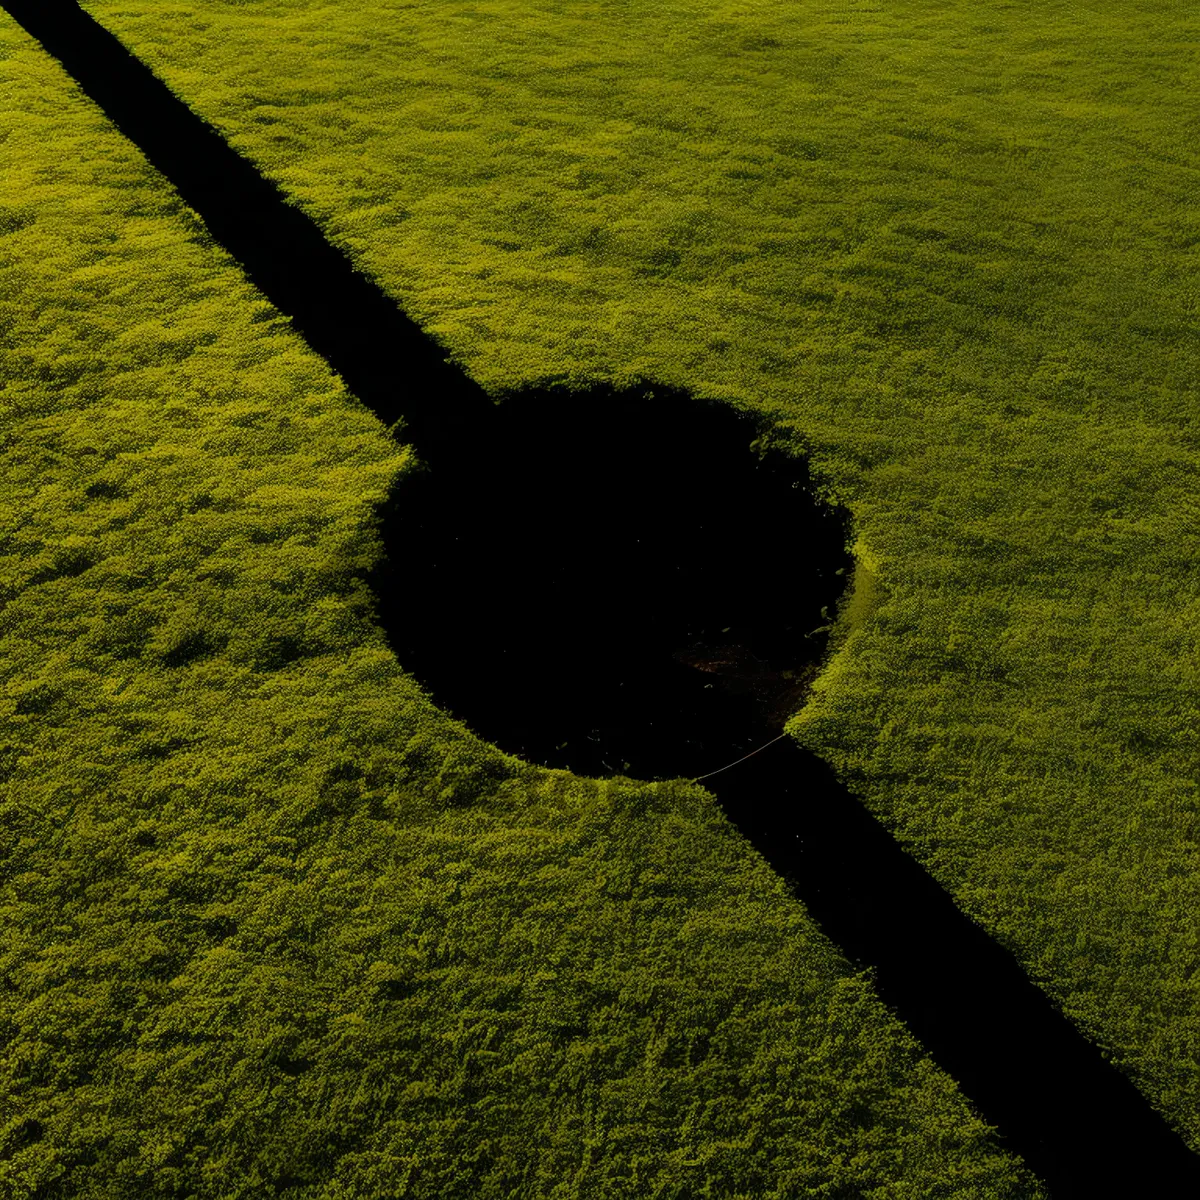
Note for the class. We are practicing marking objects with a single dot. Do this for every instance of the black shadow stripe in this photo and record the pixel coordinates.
(384, 357)
(1076, 1120)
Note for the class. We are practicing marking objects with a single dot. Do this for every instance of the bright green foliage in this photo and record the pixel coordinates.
(951, 247)
(270, 923)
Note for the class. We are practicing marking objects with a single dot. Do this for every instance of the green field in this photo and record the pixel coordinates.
(951, 250)
(273, 924)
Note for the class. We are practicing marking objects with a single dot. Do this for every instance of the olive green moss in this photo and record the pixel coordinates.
(270, 924)
(951, 248)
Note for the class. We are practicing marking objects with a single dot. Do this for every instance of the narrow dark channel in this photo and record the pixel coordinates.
(619, 583)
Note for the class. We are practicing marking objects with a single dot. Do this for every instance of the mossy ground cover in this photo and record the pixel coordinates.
(271, 922)
(951, 249)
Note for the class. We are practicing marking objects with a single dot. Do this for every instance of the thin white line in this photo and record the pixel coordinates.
(740, 760)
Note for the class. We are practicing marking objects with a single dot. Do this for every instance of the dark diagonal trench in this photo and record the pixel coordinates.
(618, 583)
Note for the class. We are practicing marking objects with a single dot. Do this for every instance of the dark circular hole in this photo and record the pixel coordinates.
(614, 582)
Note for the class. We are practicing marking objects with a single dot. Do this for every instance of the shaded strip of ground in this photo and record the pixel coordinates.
(384, 357)
(1077, 1121)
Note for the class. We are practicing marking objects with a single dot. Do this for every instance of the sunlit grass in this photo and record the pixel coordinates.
(271, 922)
(951, 248)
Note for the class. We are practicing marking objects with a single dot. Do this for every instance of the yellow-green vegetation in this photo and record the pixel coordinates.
(273, 924)
(951, 248)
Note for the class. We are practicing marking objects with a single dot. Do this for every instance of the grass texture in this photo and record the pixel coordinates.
(272, 924)
(951, 249)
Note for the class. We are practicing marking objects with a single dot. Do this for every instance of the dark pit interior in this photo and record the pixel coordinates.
(615, 582)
